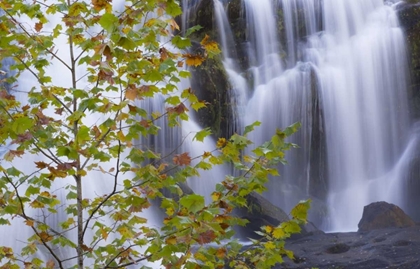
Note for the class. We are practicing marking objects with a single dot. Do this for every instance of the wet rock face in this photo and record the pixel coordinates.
(409, 16)
(382, 215)
(211, 84)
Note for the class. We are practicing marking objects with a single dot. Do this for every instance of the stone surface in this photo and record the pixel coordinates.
(211, 84)
(409, 16)
(262, 212)
(392, 248)
(381, 215)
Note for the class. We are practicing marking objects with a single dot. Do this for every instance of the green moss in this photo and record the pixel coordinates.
(211, 84)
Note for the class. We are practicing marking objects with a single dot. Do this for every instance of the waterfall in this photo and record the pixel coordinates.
(339, 68)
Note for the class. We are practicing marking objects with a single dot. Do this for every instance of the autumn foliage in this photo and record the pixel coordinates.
(61, 130)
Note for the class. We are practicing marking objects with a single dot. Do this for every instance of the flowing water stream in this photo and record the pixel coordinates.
(339, 68)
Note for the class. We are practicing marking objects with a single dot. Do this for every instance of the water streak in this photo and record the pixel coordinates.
(338, 67)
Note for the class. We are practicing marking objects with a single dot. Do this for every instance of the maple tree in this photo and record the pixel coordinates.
(61, 131)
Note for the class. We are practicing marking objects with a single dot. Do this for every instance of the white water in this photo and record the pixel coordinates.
(344, 76)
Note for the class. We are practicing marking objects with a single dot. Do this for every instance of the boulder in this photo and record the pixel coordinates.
(262, 212)
(382, 215)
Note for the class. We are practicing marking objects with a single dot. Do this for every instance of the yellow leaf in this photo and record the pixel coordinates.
(193, 60)
(173, 24)
(82, 173)
(205, 40)
(36, 204)
(300, 211)
(29, 222)
(171, 240)
(215, 196)
(104, 234)
(221, 142)
(290, 254)
(45, 194)
(170, 211)
(269, 245)
(211, 47)
(121, 135)
(124, 231)
(162, 167)
(268, 229)
(125, 30)
(200, 256)
(278, 233)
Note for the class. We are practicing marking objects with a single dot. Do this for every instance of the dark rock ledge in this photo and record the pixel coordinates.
(395, 247)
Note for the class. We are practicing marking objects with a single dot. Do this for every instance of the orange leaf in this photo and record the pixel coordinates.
(206, 237)
(29, 222)
(45, 237)
(96, 131)
(50, 264)
(38, 26)
(131, 93)
(107, 53)
(182, 159)
(221, 253)
(98, 5)
(194, 60)
(163, 54)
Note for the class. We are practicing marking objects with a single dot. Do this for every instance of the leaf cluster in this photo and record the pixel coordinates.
(92, 121)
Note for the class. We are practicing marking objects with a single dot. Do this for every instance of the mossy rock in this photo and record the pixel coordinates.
(211, 84)
(409, 15)
(202, 14)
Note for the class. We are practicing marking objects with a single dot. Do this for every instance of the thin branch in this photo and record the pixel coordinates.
(114, 190)
(22, 207)
(37, 77)
(34, 39)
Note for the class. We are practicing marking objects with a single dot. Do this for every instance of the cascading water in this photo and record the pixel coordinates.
(339, 68)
